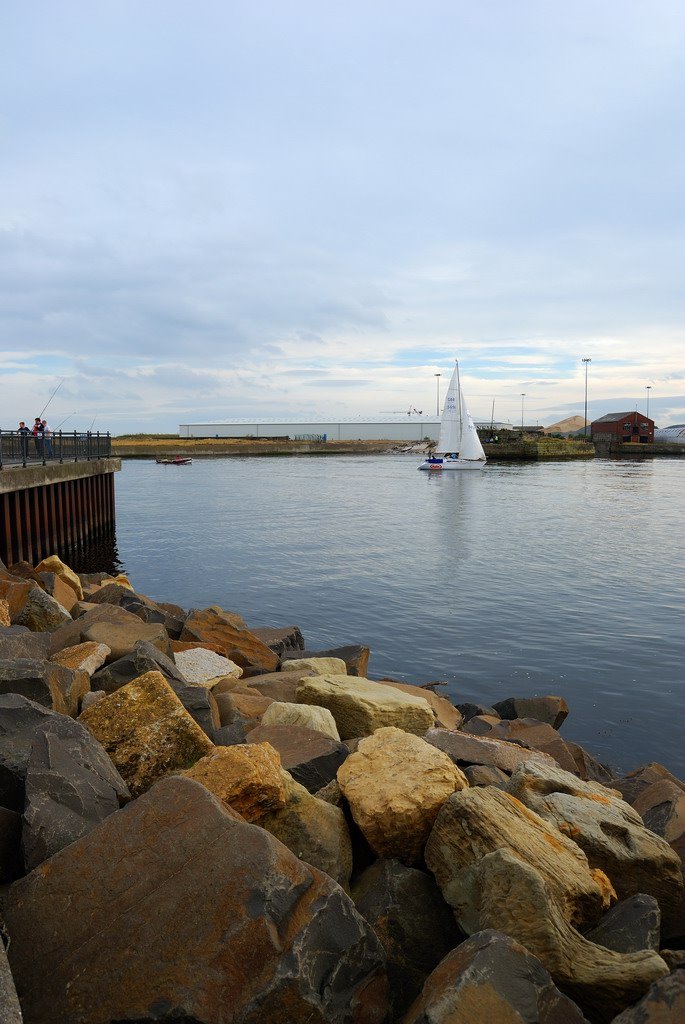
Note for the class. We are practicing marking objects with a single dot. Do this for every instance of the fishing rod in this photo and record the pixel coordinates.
(90, 429)
(65, 419)
(51, 397)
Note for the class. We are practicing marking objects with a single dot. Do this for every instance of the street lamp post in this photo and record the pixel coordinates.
(523, 395)
(648, 388)
(437, 393)
(586, 361)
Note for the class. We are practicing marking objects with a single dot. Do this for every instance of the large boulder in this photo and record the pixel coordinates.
(514, 898)
(280, 638)
(395, 784)
(71, 786)
(468, 750)
(229, 633)
(10, 1010)
(144, 657)
(56, 587)
(201, 666)
(200, 705)
(248, 777)
(305, 716)
(15, 592)
(355, 656)
(475, 822)
(317, 666)
(664, 1003)
(414, 924)
(146, 731)
(89, 657)
(446, 715)
(20, 642)
(552, 710)
(121, 638)
(313, 830)
(610, 832)
(5, 620)
(360, 706)
(42, 613)
(631, 925)
(490, 977)
(55, 565)
(19, 720)
(58, 688)
(279, 685)
(72, 632)
(218, 922)
(311, 757)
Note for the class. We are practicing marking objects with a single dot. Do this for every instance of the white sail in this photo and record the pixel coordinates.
(451, 423)
(471, 448)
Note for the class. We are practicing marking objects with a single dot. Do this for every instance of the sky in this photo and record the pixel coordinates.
(297, 208)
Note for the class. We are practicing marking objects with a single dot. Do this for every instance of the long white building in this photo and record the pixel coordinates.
(352, 428)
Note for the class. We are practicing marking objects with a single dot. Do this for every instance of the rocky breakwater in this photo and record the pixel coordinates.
(206, 823)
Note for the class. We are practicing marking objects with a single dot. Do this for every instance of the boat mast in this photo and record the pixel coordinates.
(461, 427)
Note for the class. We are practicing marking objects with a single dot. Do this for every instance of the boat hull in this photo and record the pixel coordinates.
(450, 465)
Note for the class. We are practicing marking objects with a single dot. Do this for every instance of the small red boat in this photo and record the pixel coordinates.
(178, 460)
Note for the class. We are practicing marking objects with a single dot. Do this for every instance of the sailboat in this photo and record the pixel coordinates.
(458, 446)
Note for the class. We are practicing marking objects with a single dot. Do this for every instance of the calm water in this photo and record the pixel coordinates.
(555, 578)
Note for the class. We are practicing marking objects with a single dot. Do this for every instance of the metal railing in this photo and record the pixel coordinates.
(17, 449)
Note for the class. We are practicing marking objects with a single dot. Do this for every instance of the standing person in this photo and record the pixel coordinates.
(38, 436)
(24, 432)
(47, 439)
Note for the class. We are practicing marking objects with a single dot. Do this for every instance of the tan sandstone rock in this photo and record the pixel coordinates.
(246, 776)
(361, 706)
(146, 731)
(477, 821)
(4, 613)
(41, 613)
(446, 715)
(54, 564)
(395, 784)
(318, 666)
(121, 638)
(304, 715)
(89, 657)
(516, 900)
(610, 832)
(15, 592)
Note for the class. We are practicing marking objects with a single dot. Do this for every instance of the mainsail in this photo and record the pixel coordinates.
(452, 417)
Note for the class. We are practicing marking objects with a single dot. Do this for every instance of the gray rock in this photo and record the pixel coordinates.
(19, 720)
(633, 924)
(45, 683)
(200, 705)
(414, 924)
(356, 657)
(20, 642)
(92, 697)
(490, 977)
(465, 749)
(144, 657)
(10, 847)
(229, 735)
(280, 639)
(550, 709)
(485, 775)
(663, 1004)
(311, 757)
(71, 633)
(470, 710)
(71, 786)
(42, 613)
(10, 1010)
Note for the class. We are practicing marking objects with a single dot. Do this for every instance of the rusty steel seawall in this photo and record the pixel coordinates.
(55, 508)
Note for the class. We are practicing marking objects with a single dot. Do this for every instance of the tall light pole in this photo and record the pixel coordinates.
(586, 361)
(437, 393)
(648, 388)
(523, 395)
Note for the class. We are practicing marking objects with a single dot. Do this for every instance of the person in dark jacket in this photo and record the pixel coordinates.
(24, 432)
(38, 436)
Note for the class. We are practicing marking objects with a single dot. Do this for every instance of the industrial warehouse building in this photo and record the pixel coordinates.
(353, 428)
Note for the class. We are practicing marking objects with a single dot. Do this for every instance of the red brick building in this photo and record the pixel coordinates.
(625, 427)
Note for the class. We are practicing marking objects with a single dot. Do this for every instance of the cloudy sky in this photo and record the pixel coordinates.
(233, 208)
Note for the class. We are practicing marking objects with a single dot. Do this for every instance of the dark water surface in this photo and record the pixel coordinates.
(559, 578)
